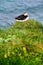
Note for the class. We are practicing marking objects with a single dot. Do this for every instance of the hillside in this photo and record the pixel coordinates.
(22, 44)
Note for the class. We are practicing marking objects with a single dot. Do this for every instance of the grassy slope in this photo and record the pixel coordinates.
(22, 44)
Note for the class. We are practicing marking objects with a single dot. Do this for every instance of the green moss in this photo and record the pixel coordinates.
(22, 44)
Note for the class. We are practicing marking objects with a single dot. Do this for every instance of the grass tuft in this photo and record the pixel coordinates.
(22, 44)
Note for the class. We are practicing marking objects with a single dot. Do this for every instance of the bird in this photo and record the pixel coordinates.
(22, 17)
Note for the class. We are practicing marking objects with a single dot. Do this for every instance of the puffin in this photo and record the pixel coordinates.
(22, 17)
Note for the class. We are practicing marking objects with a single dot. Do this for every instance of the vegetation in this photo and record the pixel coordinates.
(22, 44)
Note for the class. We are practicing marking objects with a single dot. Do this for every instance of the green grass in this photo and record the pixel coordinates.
(22, 44)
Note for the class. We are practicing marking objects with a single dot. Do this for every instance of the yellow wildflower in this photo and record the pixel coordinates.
(24, 49)
(5, 56)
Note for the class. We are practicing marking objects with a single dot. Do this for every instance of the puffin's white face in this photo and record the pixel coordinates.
(25, 14)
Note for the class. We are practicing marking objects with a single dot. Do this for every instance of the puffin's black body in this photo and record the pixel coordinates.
(21, 17)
